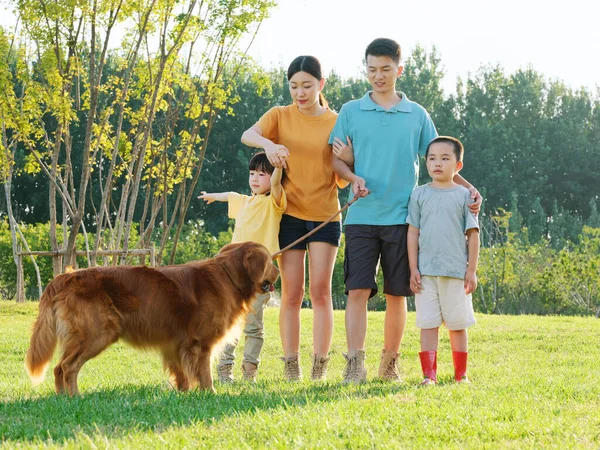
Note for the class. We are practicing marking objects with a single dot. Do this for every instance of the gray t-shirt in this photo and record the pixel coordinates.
(443, 218)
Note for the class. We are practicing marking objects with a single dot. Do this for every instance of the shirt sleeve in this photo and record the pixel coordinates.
(282, 206)
(471, 220)
(340, 129)
(269, 124)
(234, 204)
(414, 210)
(428, 132)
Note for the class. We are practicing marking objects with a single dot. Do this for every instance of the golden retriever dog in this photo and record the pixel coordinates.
(184, 311)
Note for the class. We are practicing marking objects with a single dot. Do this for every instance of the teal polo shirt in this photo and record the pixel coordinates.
(387, 144)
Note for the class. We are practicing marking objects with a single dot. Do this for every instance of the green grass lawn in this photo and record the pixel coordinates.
(535, 385)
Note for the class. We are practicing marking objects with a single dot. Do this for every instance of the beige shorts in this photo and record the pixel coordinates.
(443, 300)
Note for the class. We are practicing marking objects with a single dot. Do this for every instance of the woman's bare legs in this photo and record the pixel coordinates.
(291, 266)
(321, 260)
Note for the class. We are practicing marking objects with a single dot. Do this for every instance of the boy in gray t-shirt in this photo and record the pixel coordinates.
(443, 263)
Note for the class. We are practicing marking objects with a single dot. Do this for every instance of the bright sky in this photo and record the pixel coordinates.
(560, 39)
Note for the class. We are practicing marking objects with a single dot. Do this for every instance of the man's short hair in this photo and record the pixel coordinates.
(384, 47)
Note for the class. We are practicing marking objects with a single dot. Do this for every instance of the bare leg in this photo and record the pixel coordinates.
(292, 273)
(459, 340)
(429, 339)
(394, 323)
(321, 257)
(356, 318)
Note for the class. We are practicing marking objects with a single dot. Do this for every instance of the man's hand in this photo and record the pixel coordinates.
(475, 207)
(415, 281)
(359, 186)
(470, 282)
(344, 150)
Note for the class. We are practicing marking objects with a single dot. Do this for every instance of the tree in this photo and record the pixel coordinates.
(145, 124)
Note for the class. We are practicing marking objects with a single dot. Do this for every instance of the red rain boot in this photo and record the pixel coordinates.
(460, 366)
(429, 366)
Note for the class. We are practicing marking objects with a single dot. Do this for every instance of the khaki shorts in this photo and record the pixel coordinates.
(443, 300)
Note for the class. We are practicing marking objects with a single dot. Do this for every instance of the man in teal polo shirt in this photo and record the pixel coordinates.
(381, 136)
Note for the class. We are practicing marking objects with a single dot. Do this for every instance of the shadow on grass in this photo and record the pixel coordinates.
(116, 412)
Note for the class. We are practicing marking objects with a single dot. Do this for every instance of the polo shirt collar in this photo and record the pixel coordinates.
(366, 104)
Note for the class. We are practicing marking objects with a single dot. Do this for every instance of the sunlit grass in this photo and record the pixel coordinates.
(535, 385)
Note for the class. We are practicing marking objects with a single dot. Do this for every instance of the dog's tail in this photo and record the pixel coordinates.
(43, 339)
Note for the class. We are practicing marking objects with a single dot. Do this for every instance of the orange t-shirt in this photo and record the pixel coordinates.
(310, 182)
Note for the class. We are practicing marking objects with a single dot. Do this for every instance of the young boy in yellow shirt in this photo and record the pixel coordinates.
(257, 219)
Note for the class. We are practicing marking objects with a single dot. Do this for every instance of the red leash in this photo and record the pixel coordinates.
(311, 232)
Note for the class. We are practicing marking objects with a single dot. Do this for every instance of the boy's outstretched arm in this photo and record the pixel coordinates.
(216, 197)
(276, 188)
(475, 207)
(412, 244)
(473, 252)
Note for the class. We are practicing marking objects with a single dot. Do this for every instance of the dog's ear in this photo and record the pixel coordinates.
(229, 248)
(255, 263)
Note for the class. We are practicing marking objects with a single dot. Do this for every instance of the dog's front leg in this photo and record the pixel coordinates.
(204, 372)
(197, 365)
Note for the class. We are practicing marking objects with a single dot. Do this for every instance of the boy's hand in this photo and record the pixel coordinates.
(208, 198)
(475, 207)
(343, 150)
(359, 185)
(277, 155)
(470, 282)
(415, 281)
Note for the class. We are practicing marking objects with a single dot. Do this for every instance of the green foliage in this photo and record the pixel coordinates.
(521, 133)
(197, 243)
(38, 239)
(519, 277)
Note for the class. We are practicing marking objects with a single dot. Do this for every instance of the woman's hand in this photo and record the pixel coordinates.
(277, 155)
(344, 150)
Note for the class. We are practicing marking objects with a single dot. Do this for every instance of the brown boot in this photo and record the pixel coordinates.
(225, 372)
(249, 371)
(319, 368)
(355, 371)
(388, 367)
(291, 368)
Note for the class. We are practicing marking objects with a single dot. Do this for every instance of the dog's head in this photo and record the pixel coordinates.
(256, 262)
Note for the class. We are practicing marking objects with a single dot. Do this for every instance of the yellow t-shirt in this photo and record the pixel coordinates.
(256, 218)
(310, 182)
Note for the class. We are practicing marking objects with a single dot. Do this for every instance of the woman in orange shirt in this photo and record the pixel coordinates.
(295, 137)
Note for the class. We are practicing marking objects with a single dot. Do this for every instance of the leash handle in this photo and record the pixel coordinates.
(313, 231)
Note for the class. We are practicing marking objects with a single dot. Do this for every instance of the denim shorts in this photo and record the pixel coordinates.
(292, 228)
